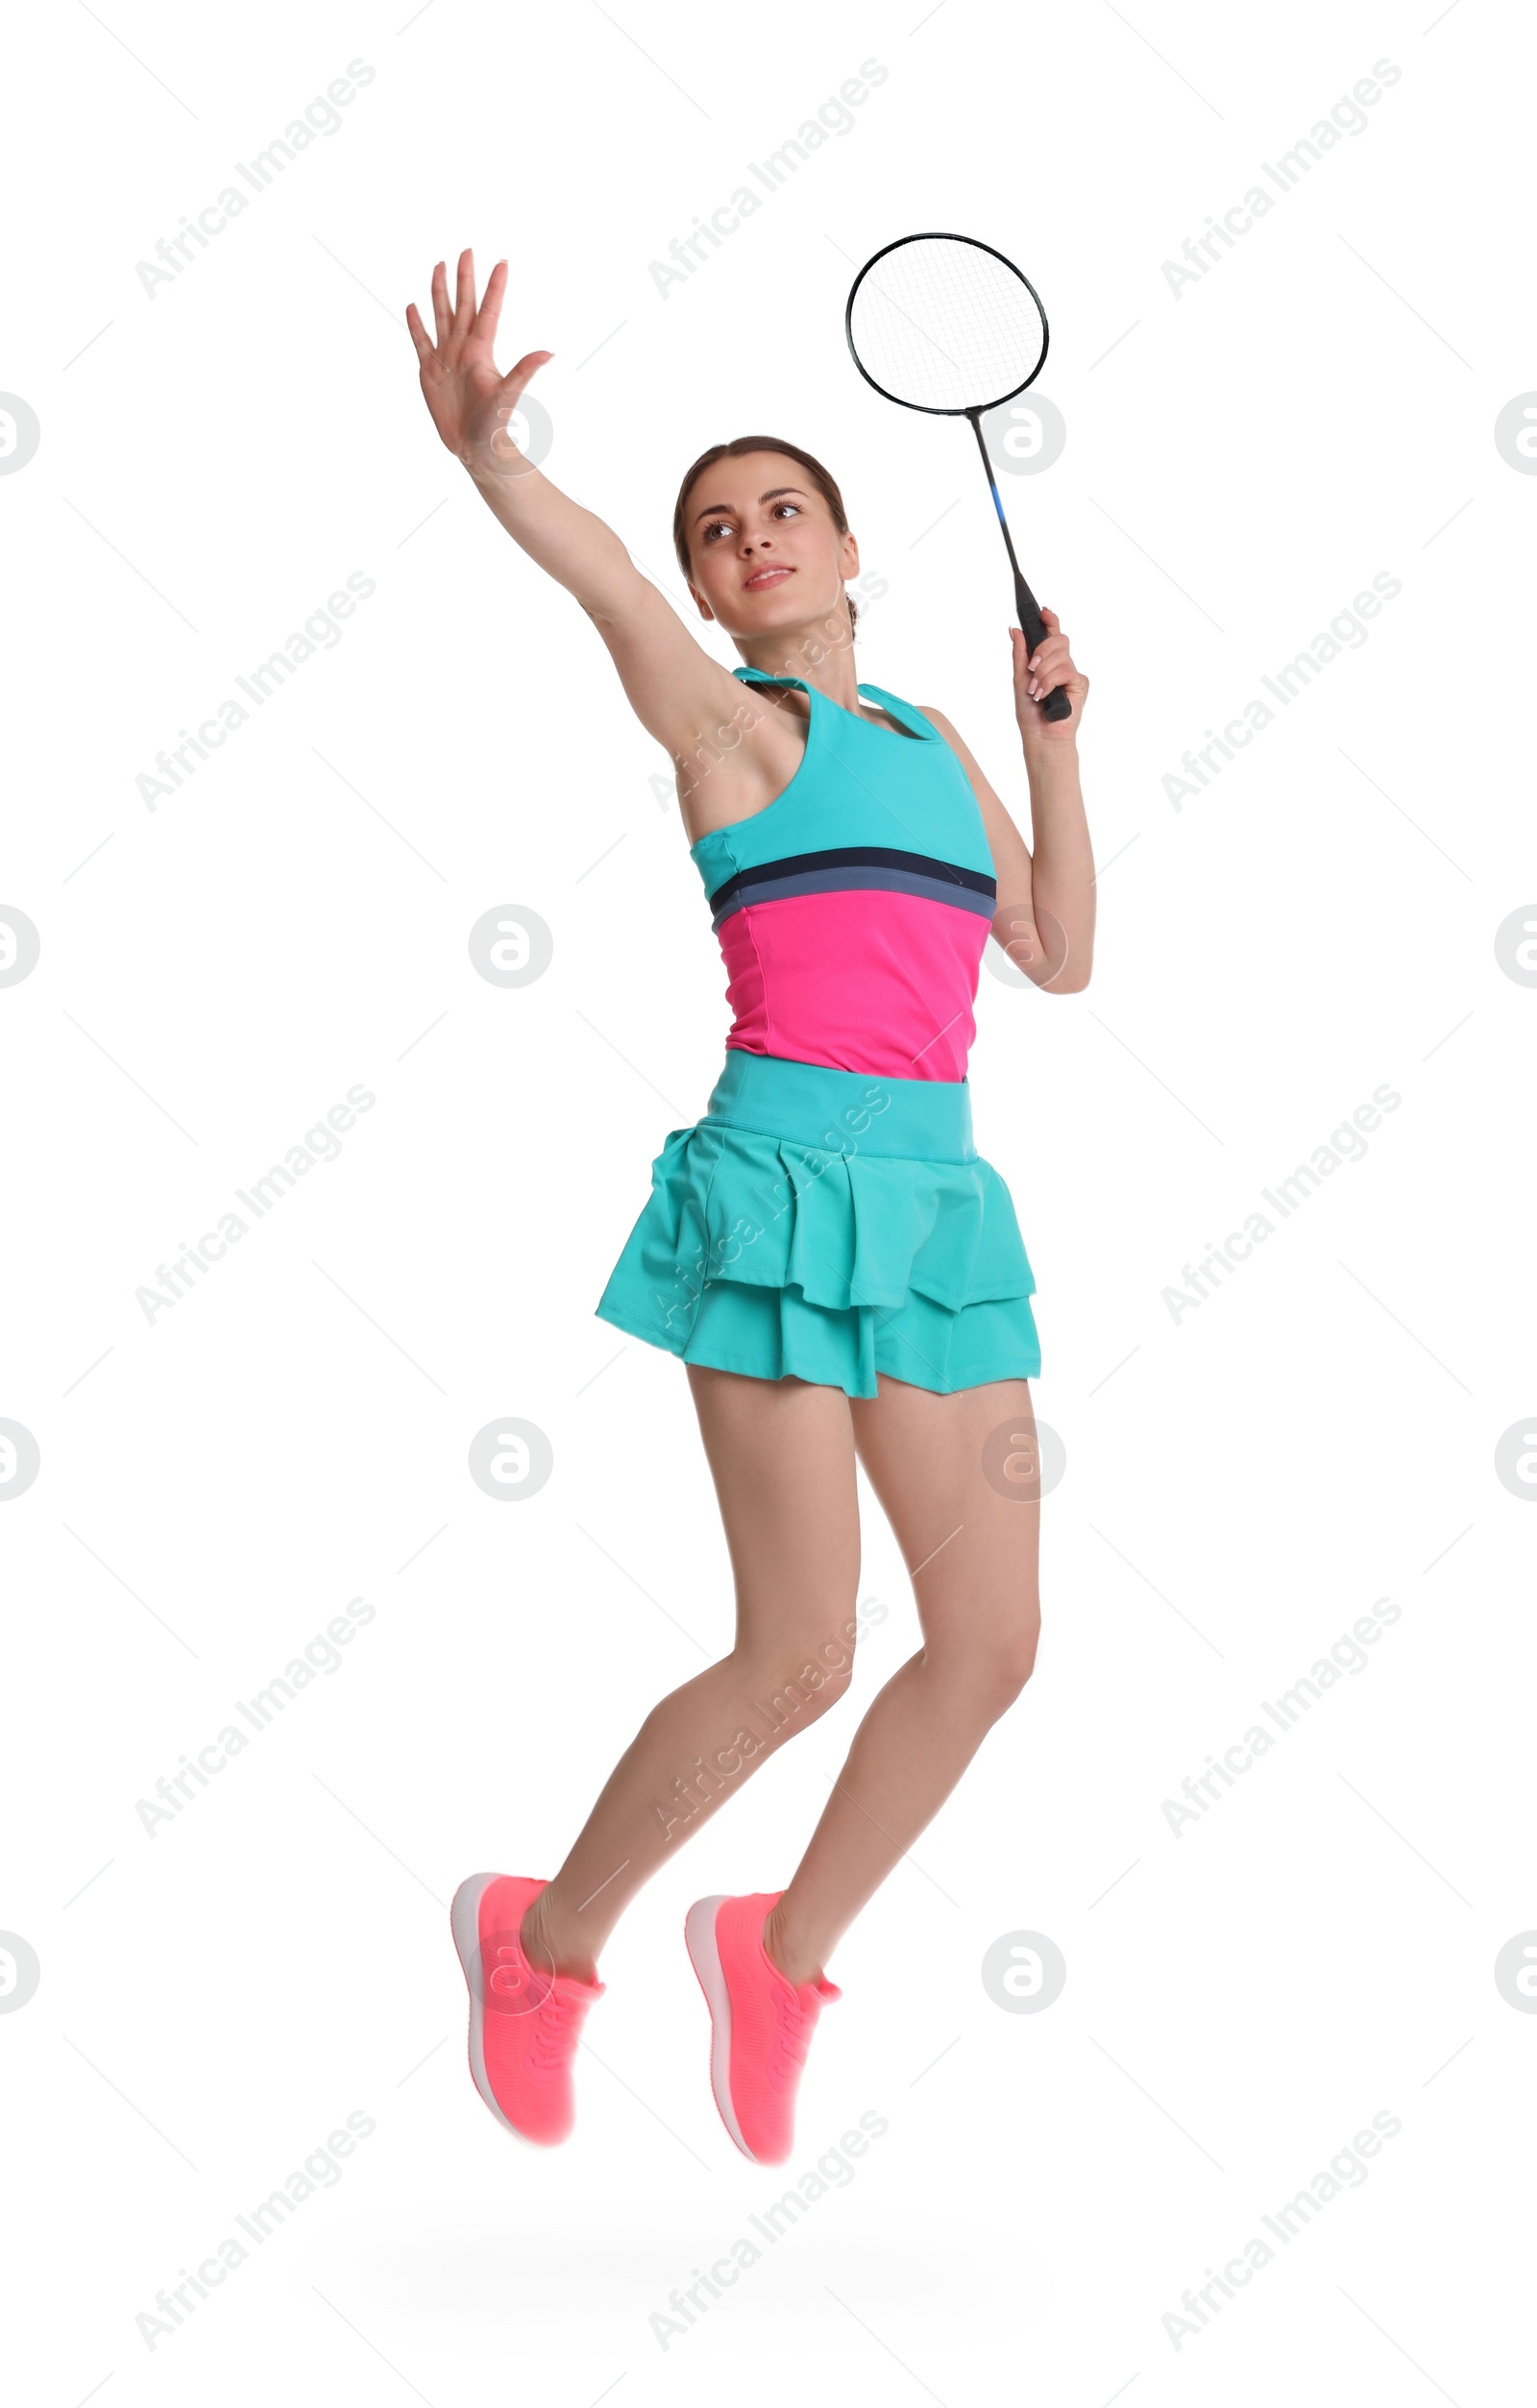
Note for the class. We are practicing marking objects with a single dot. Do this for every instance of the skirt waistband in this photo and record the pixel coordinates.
(846, 1111)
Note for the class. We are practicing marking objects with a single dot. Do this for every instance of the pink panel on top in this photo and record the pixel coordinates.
(868, 980)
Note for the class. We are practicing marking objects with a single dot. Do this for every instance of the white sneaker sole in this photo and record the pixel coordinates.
(698, 1932)
(464, 1920)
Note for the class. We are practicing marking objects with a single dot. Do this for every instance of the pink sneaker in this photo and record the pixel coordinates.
(762, 2024)
(524, 2020)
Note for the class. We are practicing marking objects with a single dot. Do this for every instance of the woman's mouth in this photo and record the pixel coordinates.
(761, 578)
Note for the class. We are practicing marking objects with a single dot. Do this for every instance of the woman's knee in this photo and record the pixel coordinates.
(794, 1684)
(990, 1669)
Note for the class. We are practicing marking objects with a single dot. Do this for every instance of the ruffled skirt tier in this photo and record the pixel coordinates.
(830, 1225)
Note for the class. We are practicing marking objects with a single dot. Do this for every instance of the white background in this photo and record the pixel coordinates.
(1242, 1482)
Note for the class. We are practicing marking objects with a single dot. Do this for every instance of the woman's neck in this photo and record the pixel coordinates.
(821, 659)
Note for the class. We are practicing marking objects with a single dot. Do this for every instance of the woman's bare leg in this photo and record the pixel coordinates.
(781, 1453)
(972, 1553)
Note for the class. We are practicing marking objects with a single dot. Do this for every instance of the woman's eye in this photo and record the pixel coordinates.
(722, 527)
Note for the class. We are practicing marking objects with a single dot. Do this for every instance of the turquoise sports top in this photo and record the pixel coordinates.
(852, 911)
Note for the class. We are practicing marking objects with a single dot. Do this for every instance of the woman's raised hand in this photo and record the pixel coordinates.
(472, 404)
(1035, 678)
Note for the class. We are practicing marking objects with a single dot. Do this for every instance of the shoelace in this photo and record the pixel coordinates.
(554, 2030)
(793, 2031)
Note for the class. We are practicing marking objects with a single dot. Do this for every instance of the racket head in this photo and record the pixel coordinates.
(947, 324)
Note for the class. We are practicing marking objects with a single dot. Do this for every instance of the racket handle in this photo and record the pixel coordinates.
(1058, 704)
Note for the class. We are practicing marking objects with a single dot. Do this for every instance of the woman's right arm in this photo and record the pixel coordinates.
(679, 693)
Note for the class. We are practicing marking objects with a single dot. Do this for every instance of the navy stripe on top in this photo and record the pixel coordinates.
(878, 866)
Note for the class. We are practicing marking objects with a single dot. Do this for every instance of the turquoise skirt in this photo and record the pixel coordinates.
(827, 1226)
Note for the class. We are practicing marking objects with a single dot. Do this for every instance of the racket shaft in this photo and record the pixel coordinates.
(1033, 626)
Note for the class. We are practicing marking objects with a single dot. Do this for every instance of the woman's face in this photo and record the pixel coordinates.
(765, 556)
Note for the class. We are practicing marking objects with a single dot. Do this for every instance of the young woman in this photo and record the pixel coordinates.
(840, 1270)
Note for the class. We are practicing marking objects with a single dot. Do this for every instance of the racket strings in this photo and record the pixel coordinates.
(941, 324)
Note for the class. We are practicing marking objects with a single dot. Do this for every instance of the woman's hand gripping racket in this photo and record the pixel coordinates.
(935, 320)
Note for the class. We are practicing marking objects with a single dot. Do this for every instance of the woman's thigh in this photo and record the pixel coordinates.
(781, 1454)
(955, 1477)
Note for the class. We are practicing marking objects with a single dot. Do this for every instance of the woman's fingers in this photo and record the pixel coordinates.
(418, 332)
(443, 317)
(1025, 660)
(454, 326)
(464, 297)
(484, 329)
(517, 375)
(1051, 666)
(1039, 674)
(463, 324)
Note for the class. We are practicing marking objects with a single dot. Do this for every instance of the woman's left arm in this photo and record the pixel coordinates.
(1045, 916)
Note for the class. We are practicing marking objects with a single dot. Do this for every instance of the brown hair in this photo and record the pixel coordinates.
(737, 450)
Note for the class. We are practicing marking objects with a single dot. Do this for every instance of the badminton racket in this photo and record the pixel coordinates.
(945, 324)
